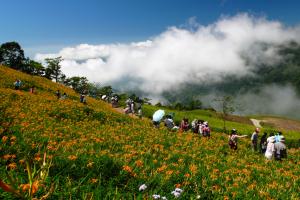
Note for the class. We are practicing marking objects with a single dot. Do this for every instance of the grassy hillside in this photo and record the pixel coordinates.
(62, 149)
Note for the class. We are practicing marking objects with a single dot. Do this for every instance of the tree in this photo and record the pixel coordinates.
(12, 55)
(158, 104)
(147, 101)
(107, 90)
(53, 69)
(194, 104)
(226, 105)
(79, 84)
(33, 67)
(178, 106)
(94, 89)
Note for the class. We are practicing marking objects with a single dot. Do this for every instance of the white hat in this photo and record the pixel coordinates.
(271, 139)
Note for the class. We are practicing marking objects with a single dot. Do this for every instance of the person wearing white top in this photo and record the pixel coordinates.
(270, 148)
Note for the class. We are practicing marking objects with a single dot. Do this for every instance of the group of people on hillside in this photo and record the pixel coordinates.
(114, 101)
(60, 96)
(272, 146)
(276, 147)
(134, 107)
(18, 84)
(201, 127)
(197, 126)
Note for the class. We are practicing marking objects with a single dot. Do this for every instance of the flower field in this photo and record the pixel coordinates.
(62, 149)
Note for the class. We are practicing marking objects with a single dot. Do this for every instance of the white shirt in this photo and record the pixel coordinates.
(270, 150)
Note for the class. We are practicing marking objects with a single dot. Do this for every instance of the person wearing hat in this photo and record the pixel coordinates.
(254, 139)
(233, 139)
(280, 149)
(270, 147)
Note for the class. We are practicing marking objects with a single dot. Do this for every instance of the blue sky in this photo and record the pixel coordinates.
(46, 26)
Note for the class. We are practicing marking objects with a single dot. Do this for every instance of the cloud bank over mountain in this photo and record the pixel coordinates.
(188, 54)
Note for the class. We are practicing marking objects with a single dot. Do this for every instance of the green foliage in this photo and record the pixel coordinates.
(79, 84)
(107, 90)
(53, 69)
(33, 67)
(12, 55)
(226, 103)
(189, 105)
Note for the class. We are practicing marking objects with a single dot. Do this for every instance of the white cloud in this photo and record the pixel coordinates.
(180, 55)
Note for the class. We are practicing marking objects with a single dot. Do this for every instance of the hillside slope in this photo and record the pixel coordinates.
(93, 152)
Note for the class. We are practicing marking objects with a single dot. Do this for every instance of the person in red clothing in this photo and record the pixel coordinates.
(233, 138)
(32, 90)
(184, 125)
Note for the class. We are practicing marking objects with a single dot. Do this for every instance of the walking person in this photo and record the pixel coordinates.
(128, 110)
(200, 127)
(17, 84)
(64, 96)
(270, 151)
(254, 139)
(205, 129)
(195, 126)
(280, 149)
(263, 143)
(58, 94)
(132, 107)
(233, 139)
(138, 106)
(32, 90)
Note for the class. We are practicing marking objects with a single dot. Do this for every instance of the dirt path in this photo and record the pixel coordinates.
(278, 123)
(283, 124)
(256, 123)
(121, 110)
